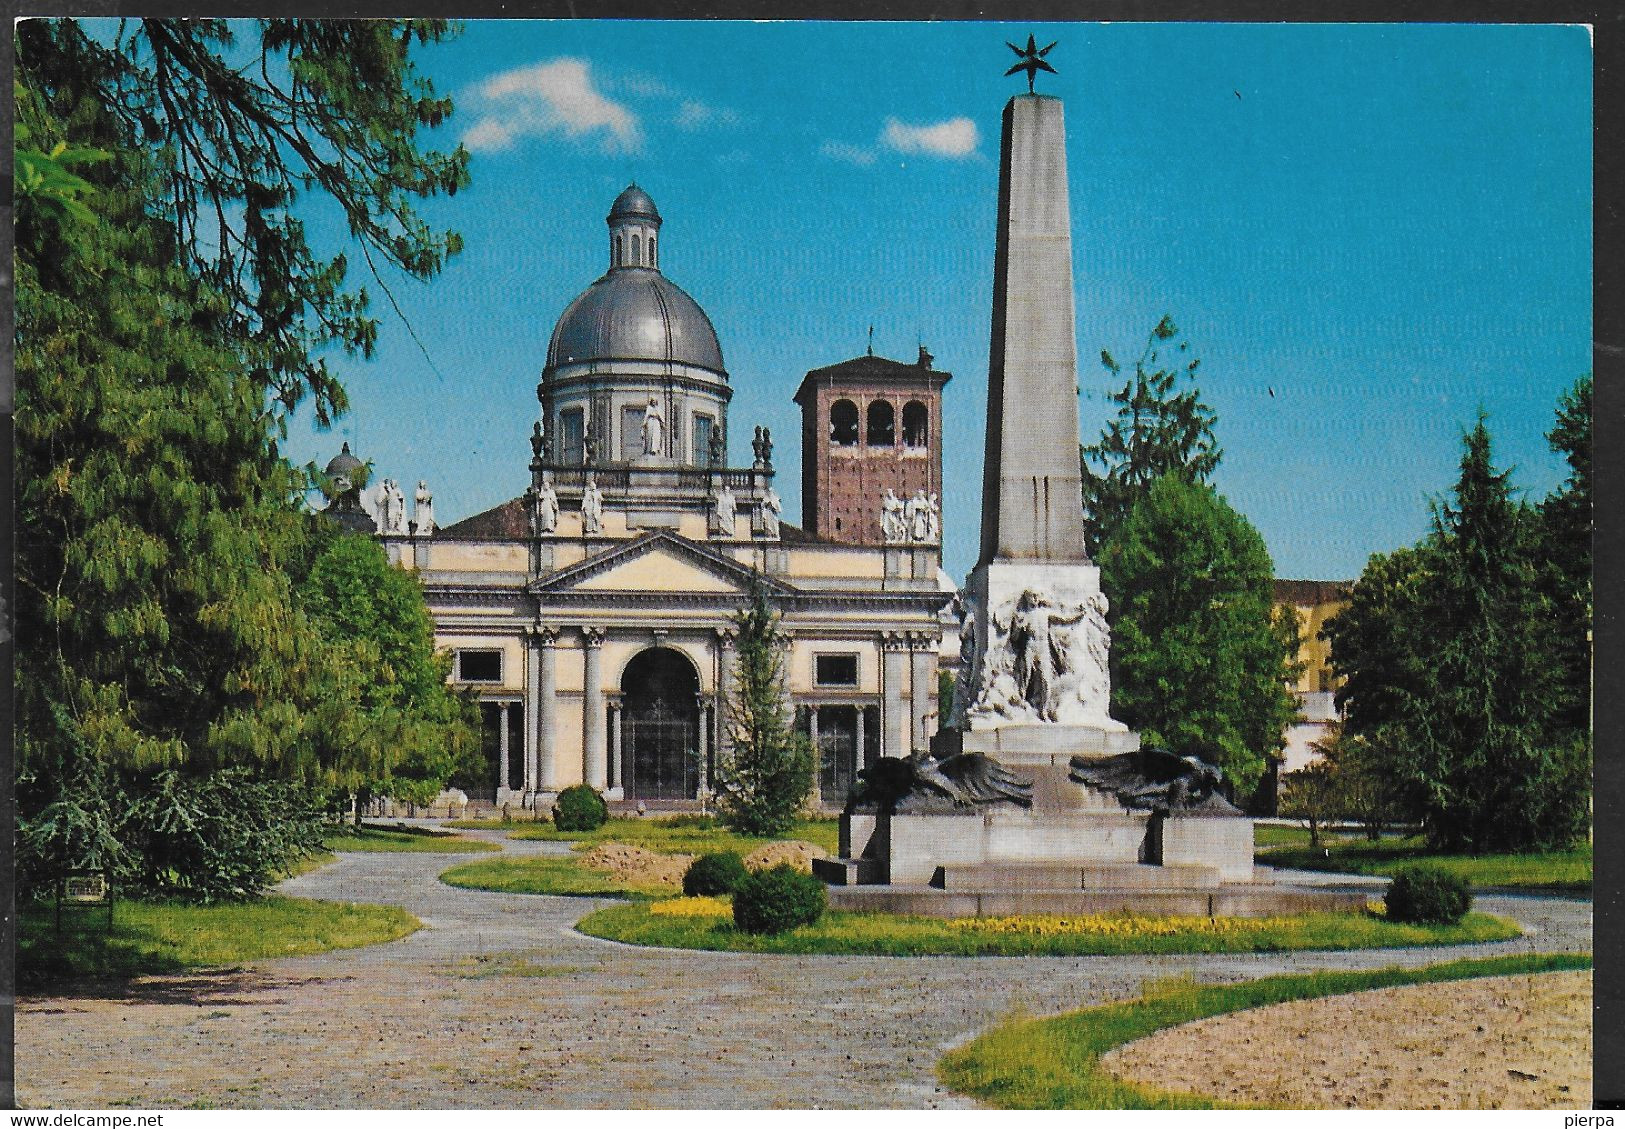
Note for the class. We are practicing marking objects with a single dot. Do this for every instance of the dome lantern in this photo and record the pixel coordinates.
(634, 313)
(634, 224)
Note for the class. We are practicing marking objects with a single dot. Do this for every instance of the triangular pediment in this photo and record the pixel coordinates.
(656, 562)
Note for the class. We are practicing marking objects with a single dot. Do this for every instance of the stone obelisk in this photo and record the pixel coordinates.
(1032, 492)
(1037, 687)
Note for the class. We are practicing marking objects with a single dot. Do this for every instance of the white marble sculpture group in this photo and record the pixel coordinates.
(390, 502)
(919, 519)
(391, 508)
(1045, 658)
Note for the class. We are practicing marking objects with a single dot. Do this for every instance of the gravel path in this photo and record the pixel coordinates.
(498, 1003)
(1509, 1042)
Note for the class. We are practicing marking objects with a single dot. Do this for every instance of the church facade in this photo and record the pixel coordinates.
(594, 614)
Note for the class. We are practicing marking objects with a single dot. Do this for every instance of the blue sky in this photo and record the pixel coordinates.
(1390, 227)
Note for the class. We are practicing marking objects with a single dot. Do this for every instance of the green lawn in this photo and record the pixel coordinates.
(154, 937)
(565, 876)
(310, 863)
(686, 835)
(665, 923)
(1055, 1063)
(377, 839)
(1354, 854)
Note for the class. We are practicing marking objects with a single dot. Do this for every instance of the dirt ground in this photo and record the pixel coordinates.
(641, 866)
(1515, 1042)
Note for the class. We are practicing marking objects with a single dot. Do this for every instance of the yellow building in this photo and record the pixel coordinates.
(594, 615)
(1315, 602)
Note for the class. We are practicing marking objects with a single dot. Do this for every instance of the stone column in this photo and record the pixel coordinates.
(812, 733)
(615, 770)
(546, 714)
(863, 744)
(595, 756)
(923, 662)
(533, 677)
(502, 750)
(705, 744)
(894, 723)
(727, 637)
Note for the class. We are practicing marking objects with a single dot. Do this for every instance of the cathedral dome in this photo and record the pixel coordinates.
(634, 313)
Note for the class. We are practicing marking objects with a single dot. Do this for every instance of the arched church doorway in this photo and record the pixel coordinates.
(660, 726)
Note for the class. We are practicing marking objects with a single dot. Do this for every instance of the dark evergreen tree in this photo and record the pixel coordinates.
(1162, 427)
(166, 666)
(1376, 648)
(1565, 558)
(155, 612)
(1455, 675)
(1200, 657)
(242, 130)
(767, 774)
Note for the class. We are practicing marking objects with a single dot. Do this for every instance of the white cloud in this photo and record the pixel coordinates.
(694, 114)
(557, 96)
(955, 137)
(851, 154)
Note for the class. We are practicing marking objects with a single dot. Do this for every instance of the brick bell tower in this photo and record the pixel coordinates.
(868, 425)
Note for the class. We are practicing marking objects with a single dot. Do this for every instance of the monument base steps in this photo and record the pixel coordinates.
(1001, 876)
(1223, 901)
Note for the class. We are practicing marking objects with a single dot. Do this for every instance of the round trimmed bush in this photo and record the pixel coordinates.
(718, 873)
(580, 808)
(777, 900)
(1426, 895)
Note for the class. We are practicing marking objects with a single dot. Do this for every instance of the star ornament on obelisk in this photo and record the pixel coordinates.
(1032, 60)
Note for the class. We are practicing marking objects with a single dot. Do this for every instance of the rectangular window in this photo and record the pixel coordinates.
(836, 670)
(572, 436)
(479, 666)
(631, 432)
(702, 440)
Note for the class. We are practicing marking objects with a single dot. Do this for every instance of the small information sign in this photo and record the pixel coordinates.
(85, 888)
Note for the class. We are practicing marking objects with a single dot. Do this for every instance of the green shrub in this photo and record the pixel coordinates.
(1426, 895)
(688, 819)
(778, 900)
(720, 872)
(580, 808)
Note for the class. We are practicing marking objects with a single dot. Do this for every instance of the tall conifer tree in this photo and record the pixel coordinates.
(768, 772)
(1162, 427)
(167, 668)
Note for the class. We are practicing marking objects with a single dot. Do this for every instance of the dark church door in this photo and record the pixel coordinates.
(660, 726)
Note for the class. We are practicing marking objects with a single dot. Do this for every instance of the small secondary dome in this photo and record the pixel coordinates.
(344, 464)
(635, 313)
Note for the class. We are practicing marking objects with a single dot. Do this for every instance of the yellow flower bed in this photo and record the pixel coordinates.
(692, 907)
(1117, 925)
